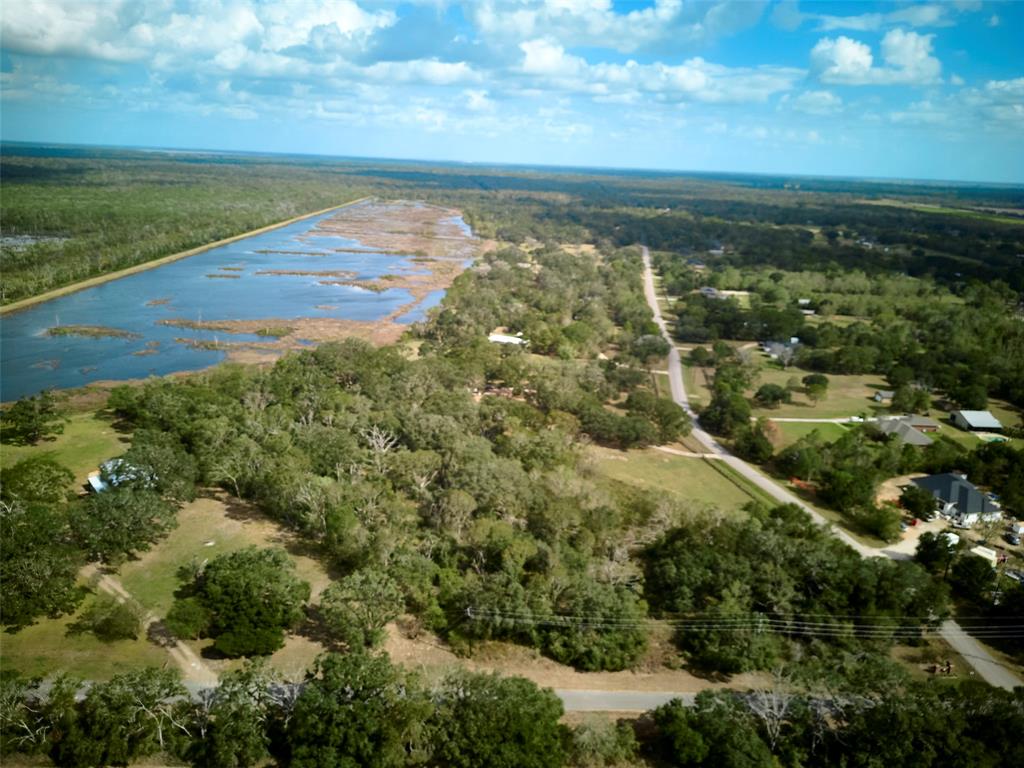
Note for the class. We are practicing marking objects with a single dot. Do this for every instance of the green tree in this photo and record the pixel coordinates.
(132, 716)
(772, 396)
(609, 633)
(600, 743)
(355, 710)
(109, 619)
(114, 525)
(38, 564)
(33, 418)
(753, 444)
(936, 552)
(501, 722)
(910, 399)
(229, 724)
(717, 731)
(972, 577)
(250, 597)
(918, 502)
(357, 608)
(36, 479)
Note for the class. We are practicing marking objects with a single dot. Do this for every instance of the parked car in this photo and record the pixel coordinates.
(1012, 538)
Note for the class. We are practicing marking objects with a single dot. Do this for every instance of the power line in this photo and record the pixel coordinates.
(754, 623)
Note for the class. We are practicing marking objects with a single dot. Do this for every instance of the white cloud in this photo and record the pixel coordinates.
(788, 16)
(814, 102)
(597, 23)
(994, 20)
(907, 55)
(956, 80)
(424, 71)
(478, 101)
(547, 65)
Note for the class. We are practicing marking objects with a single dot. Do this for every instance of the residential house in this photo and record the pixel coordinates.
(906, 429)
(976, 421)
(959, 499)
(884, 394)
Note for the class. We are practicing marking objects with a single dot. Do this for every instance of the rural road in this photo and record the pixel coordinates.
(618, 701)
(984, 664)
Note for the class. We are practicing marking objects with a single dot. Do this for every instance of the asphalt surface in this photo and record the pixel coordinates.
(983, 662)
(618, 701)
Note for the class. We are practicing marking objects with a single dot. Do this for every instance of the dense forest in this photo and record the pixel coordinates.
(72, 212)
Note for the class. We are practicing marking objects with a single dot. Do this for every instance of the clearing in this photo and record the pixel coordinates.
(88, 439)
(689, 479)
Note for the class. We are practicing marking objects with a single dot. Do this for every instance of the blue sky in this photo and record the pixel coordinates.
(906, 90)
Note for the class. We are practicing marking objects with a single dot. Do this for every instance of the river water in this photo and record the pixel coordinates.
(32, 360)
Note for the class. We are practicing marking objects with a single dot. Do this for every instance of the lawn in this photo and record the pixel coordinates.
(846, 396)
(46, 648)
(789, 432)
(697, 380)
(88, 439)
(207, 527)
(688, 479)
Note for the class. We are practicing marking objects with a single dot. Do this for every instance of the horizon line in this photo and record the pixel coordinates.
(548, 166)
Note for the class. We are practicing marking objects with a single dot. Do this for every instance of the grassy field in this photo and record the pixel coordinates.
(788, 433)
(939, 209)
(88, 439)
(847, 395)
(688, 479)
(207, 527)
(46, 648)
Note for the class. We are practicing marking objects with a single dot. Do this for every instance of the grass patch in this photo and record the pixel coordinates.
(688, 479)
(789, 432)
(276, 331)
(88, 439)
(91, 331)
(847, 395)
(46, 647)
(208, 527)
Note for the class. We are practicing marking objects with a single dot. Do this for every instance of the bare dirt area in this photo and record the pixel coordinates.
(432, 656)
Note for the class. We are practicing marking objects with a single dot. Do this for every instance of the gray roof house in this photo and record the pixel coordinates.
(957, 495)
(976, 420)
(884, 394)
(905, 429)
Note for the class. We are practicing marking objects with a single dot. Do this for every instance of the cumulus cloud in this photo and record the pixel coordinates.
(907, 56)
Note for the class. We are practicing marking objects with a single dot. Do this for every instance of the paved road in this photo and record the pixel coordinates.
(992, 671)
(618, 701)
(984, 664)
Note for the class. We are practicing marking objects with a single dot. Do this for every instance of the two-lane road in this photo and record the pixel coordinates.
(983, 662)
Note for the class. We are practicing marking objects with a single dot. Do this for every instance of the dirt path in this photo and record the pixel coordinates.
(194, 671)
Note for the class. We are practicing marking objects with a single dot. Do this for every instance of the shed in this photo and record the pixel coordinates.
(976, 420)
(884, 394)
